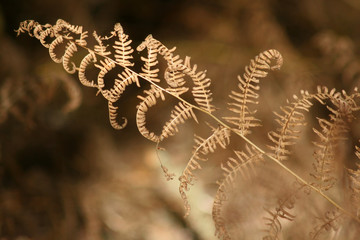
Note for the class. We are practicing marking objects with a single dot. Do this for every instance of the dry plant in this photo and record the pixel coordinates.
(329, 178)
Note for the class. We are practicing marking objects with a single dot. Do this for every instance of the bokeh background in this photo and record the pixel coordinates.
(66, 174)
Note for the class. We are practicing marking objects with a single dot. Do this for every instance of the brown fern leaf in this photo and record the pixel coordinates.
(105, 66)
(329, 222)
(282, 211)
(221, 137)
(69, 52)
(147, 102)
(354, 176)
(248, 86)
(100, 48)
(90, 58)
(292, 117)
(182, 112)
(72, 36)
(59, 40)
(123, 49)
(113, 117)
(175, 72)
(149, 70)
(63, 26)
(179, 114)
(201, 93)
(172, 75)
(28, 26)
(242, 166)
(289, 120)
(332, 132)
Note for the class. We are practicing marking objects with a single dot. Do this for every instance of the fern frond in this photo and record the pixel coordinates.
(331, 133)
(85, 62)
(282, 211)
(244, 119)
(242, 166)
(69, 52)
(28, 26)
(59, 40)
(177, 70)
(354, 176)
(123, 49)
(182, 112)
(142, 109)
(106, 66)
(100, 48)
(149, 70)
(81, 41)
(174, 77)
(177, 91)
(329, 222)
(274, 226)
(62, 25)
(221, 137)
(292, 118)
(201, 93)
(113, 116)
(289, 120)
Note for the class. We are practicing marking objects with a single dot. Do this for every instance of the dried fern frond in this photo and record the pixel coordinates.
(354, 176)
(248, 86)
(123, 49)
(69, 53)
(242, 166)
(282, 211)
(108, 58)
(200, 91)
(90, 58)
(72, 37)
(142, 109)
(149, 70)
(329, 222)
(182, 112)
(332, 132)
(290, 119)
(220, 136)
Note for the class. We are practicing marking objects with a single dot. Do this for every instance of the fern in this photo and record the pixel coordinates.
(354, 176)
(241, 166)
(243, 102)
(248, 87)
(220, 136)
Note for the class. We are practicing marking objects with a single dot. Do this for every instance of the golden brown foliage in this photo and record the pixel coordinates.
(178, 78)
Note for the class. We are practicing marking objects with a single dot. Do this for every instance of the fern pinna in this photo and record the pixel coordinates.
(174, 82)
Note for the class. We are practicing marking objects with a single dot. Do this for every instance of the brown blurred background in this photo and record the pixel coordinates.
(66, 174)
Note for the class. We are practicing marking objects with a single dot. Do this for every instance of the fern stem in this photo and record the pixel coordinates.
(236, 132)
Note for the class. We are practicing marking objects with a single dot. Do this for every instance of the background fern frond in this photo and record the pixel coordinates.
(325, 156)
(354, 176)
(282, 211)
(329, 222)
(289, 120)
(242, 166)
